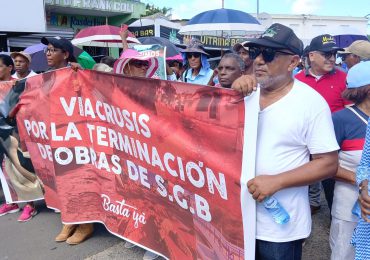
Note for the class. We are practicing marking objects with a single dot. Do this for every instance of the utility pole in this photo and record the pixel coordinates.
(258, 8)
(223, 4)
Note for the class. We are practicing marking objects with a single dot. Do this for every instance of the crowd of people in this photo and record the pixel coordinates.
(311, 127)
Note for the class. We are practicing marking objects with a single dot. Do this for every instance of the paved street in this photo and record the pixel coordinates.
(317, 245)
(35, 240)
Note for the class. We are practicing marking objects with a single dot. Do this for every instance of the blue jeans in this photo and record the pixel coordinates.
(279, 251)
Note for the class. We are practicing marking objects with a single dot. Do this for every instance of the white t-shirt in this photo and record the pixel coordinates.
(289, 131)
(32, 73)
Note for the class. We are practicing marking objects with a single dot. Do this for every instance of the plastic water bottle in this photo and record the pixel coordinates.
(273, 206)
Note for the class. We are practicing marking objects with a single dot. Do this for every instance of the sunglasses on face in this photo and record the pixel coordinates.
(192, 54)
(140, 63)
(268, 54)
(328, 55)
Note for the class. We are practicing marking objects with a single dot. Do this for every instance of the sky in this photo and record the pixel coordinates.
(186, 9)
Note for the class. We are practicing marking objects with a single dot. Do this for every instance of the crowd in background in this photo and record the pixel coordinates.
(314, 111)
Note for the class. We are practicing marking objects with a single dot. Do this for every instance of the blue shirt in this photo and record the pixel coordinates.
(349, 129)
(202, 78)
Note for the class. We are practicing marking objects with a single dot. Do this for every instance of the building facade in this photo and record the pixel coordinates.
(307, 27)
(62, 17)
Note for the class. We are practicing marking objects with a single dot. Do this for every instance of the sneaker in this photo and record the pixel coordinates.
(27, 213)
(149, 255)
(129, 245)
(8, 208)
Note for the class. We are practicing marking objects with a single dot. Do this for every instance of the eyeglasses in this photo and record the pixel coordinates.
(327, 55)
(192, 54)
(51, 50)
(139, 63)
(268, 54)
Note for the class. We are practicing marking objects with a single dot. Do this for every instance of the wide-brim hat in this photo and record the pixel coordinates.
(195, 46)
(23, 54)
(131, 54)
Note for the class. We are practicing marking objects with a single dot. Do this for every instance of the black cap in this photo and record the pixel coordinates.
(60, 43)
(279, 36)
(306, 50)
(324, 43)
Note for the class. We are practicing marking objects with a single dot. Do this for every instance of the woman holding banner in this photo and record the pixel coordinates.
(17, 169)
(6, 67)
(139, 64)
(59, 54)
(133, 63)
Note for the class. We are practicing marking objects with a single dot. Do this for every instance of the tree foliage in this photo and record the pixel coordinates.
(151, 9)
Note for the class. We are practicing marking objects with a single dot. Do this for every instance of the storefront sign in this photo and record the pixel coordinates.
(217, 42)
(142, 31)
(74, 21)
(103, 5)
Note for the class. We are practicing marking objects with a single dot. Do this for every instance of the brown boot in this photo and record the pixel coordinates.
(66, 232)
(83, 232)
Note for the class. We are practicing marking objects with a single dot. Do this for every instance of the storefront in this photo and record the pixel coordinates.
(65, 18)
(158, 26)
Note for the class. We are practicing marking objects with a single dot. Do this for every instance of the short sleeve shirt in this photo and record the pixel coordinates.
(330, 86)
(32, 73)
(202, 78)
(350, 132)
(297, 125)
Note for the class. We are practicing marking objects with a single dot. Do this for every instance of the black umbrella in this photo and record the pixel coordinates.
(171, 49)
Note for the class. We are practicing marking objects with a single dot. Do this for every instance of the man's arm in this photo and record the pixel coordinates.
(124, 35)
(364, 199)
(322, 166)
(345, 176)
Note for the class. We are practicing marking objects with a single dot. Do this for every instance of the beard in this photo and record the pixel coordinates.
(269, 82)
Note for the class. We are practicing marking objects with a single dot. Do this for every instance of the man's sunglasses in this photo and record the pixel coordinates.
(192, 54)
(139, 63)
(328, 54)
(268, 54)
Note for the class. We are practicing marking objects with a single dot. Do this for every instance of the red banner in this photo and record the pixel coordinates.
(159, 163)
